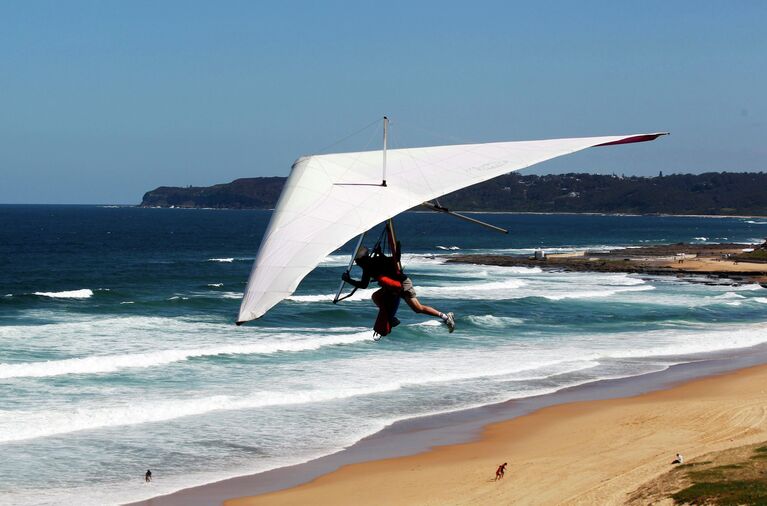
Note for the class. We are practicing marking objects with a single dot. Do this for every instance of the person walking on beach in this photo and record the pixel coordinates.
(679, 459)
(500, 471)
(148, 476)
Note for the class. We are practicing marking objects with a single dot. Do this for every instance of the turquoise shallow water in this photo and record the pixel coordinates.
(118, 352)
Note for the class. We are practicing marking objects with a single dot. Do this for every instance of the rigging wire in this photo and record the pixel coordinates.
(439, 135)
(322, 150)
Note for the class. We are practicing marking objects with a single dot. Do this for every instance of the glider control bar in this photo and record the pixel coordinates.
(440, 209)
(338, 297)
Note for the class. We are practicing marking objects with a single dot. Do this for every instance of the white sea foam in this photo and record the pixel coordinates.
(381, 374)
(547, 249)
(763, 300)
(700, 238)
(729, 295)
(69, 294)
(523, 270)
(754, 222)
(545, 372)
(591, 294)
(101, 364)
(408, 260)
(316, 297)
(684, 299)
(683, 342)
(21, 425)
(491, 290)
(427, 323)
(359, 295)
(612, 279)
(35, 423)
(336, 259)
(222, 260)
(448, 248)
(494, 321)
(453, 287)
(514, 283)
(86, 335)
(215, 285)
(747, 287)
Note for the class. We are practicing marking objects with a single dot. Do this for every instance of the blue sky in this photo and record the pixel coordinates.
(101, 101)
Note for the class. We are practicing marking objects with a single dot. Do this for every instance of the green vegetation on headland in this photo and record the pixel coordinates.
(713, 193)
(247, 193)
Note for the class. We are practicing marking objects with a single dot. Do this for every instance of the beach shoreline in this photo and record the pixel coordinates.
(420, 437)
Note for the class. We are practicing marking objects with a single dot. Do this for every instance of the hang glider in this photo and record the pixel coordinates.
(330, 199)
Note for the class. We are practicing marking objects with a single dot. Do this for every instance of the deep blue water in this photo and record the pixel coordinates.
(118, 350)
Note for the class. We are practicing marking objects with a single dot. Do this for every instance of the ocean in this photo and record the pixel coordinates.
(119, 353)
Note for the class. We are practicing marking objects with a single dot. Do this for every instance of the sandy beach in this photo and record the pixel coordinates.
(595, 452)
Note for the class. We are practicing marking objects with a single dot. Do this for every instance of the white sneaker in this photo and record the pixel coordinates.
(450, 322)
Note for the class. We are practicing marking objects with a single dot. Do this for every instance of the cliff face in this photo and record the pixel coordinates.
(711, 193)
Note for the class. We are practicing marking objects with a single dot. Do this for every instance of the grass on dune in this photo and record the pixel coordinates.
(741, 482)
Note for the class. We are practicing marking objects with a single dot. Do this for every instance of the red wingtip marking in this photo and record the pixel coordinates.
(631, 140)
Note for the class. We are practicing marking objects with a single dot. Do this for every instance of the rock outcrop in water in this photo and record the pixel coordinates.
(713, 193)
(728, 261)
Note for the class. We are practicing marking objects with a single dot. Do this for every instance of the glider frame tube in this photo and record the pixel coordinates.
(440, 209)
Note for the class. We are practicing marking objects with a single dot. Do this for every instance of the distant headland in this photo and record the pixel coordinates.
(712, 193)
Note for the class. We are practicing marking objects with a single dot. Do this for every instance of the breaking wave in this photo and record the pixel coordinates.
(101, 364)
(728, 295)
(68, 294)
(494, 321)
(28, 424)
(589, 294)
(20, 425)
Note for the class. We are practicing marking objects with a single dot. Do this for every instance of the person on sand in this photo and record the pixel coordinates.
(148, 476)
(500, 471)
(679, 459)
(385, 271)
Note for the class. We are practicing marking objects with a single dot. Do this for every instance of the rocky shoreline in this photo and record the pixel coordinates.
(727, 262)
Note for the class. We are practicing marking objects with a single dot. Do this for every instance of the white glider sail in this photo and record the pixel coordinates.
(329, 199)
